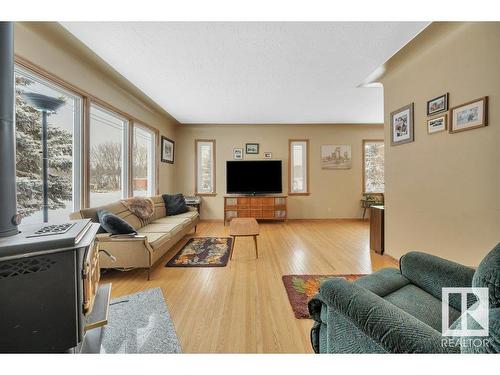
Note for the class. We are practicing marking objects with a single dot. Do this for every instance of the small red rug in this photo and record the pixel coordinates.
(301, 288)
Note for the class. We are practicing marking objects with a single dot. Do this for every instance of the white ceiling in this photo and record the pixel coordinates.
(257, 72)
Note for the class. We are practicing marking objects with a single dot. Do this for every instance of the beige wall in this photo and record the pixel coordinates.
(442, 191)
(334, 194)
(53, 49)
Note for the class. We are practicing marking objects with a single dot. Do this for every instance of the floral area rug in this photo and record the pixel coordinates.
(203, 252)
(301, 288)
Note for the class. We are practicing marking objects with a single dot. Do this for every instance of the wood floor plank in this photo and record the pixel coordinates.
(243, 307)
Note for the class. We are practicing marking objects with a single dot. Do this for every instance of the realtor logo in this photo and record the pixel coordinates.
(473, 320)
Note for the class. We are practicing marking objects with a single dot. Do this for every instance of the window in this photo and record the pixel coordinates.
(298, 162)
(373, 166)
(108, 165)
(63, 128)
(205, 166)
(143, 161)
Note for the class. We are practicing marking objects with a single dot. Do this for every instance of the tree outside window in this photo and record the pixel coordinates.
(373, 161)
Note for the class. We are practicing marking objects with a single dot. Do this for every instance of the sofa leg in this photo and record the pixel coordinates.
(149, 273)
(195, 228)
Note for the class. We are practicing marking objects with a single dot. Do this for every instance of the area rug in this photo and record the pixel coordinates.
(140, 323)
(301, 288)
(203, 252)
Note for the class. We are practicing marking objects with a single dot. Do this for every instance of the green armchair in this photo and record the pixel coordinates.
(399, 311)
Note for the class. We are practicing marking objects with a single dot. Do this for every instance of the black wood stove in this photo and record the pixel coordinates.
(50, 299)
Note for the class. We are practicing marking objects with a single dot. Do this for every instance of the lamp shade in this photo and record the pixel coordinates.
(43, 102)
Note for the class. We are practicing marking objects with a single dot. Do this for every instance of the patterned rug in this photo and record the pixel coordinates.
(203, 252)
(301, 288)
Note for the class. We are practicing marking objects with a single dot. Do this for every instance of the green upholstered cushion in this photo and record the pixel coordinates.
(387, 325)
(487, 275)
(432, 273)
(480, 344)
(383, 282)
(420, 304)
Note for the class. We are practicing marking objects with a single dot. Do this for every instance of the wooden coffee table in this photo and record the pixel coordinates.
(244, 227)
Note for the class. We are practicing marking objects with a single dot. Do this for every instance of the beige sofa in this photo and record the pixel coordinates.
(155, 236)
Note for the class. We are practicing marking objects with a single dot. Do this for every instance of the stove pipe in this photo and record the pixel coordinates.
(8, 212)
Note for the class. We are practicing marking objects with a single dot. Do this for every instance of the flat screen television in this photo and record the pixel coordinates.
(253, 177)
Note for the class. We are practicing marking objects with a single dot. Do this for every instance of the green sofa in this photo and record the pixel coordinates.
(399, 310)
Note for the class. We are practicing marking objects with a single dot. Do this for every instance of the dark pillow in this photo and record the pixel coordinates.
(114, 224)
(175, 204)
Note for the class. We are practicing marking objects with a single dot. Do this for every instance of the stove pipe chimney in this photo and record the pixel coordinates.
(8, 212)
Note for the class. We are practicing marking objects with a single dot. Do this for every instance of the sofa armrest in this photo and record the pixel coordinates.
(128, 252)
(390, 327)
(432, 273)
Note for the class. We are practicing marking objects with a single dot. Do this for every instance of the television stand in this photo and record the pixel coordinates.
(259, 207)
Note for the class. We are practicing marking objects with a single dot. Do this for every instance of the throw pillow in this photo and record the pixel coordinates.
(114, 224)
(141, 207)
(175, 204)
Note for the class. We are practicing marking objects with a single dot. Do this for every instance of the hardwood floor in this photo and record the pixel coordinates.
(243, 307)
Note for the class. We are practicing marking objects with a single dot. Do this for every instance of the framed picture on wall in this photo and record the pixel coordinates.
(402, 125)
(167, 150)
(437, 105)
(268, 155)
(336, 157)
(470, 115)
(252, 148)
(237, 153)
(437, 124)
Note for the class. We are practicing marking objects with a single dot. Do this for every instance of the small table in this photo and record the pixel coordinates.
(193, 201)
(244, 227)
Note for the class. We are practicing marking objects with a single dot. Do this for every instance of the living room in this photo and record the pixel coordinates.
(237, 187)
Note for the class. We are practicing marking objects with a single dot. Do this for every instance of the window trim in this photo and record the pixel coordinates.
(87, 100)
(155, 133)
(308, 191)
(214, 157)
(78, 132)
(363, 164)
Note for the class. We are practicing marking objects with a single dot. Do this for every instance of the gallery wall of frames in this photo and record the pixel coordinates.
(466, 116)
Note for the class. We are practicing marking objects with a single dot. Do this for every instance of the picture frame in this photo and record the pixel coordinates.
(402, 125)
(336, 157)
(437, 124)
(252, 148)
(437, 105)
(470, 115)
(167, 150)
(238, 153)
(268, 155)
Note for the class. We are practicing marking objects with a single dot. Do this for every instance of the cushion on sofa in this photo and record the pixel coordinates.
(159, 207)
(175, 204)
(113, 224)
(487, 275)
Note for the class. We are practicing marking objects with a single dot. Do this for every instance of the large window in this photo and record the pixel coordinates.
(373, 166)
(108, 140)
(143, 161)
(298, 166)
(88, 163)
(205, 167)
(63, 172)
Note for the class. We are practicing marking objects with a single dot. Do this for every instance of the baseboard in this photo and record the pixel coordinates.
(281, 221)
